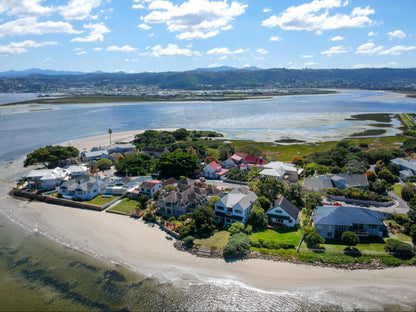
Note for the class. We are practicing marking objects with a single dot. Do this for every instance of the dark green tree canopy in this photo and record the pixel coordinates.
(50, 155)
(139, 164)
(177, 163)
(204, 220)
(350, 238)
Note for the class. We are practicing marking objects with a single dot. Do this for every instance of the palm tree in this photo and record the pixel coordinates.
(109, 132)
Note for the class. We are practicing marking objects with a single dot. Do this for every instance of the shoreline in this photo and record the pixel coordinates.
(145, 249)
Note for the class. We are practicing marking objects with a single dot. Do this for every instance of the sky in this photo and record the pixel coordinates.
(180, 35)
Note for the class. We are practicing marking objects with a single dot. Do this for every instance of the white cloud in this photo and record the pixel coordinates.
(267, 10)
(397, 50)
(23, 46)
(372, 34)
(307, 56)
(193, 19)
(98, 49)
(96, 33)
(262, 51)
(310, 64)
(170, 50)
(30, 26)
(369, 48)
(78, 9)
(144, 26)
(358, 66)
(337, 38)
(274, 38)
(125, 48)
(315, 16)
(335, 50)
(397, 34)
(23, 8)
(224, 51)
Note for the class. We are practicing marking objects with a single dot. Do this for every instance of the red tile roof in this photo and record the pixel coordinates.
(149, 184)
(254, 160)
(214, 165)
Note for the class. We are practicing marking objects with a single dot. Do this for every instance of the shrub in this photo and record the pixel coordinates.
(350, 238)
(236, 227)
(238, 246)
(188, 241)
(399, 249)
(313, 239)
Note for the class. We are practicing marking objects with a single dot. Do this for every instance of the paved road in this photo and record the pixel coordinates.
(400, 206)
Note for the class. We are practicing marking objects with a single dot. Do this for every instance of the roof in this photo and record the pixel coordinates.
(351, 180)
(47, 173)
(254, 160)
(150, 184)
(222, 172)
(241, 196)
(95, 153)
(323, 182)
(237, 158)
(347, 216)
(186, 182)
(405, 163)
(287, 206)
(76, 168)
(214, 166)
(169, 181)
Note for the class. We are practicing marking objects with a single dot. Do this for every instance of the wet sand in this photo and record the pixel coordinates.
(145, 249)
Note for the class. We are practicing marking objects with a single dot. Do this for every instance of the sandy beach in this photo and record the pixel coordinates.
(145, 248)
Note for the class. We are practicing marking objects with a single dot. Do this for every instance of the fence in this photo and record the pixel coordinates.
(361, 202)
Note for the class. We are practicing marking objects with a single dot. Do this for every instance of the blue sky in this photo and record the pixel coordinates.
(177, 35)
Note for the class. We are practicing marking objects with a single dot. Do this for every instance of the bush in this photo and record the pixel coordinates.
(236, 227)
(399, 249)
(238, 246)
(350, 238)
(188, 241)
(313, 239)
(271, 245)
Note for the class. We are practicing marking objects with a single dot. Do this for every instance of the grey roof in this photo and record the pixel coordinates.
(242, 196)
(323, 182)
(196, 196)
(186, 182)
(405, 164)
(85, 184)
(347, 216)
(98, 153)
(287, 206)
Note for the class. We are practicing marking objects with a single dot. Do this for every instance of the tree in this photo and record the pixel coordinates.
(264, 202)
(371, 176)
(350, 238)
(313, 240)
(238, 246)
(268, 187)
(380, 186)
(387, 176)
(226, 151)
(298, 161)
(180, 134)
(109, 132)
(237, 174)
(408, 192)
(139, 164)
(236, 227)
(312, 201)
(104, 164)
(257, 218)
(177, 163)
(50, 155)
(204, 220)
(251, 150)
(293, 193)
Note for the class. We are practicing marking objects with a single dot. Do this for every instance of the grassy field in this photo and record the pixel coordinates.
(126, 205)
(100, 201)
(216, 241)
(287, 236)
(407, 120)
(373, 246)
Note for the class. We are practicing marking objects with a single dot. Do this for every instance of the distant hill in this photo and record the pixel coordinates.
(37, 71)
(224, 68)
(219, 78)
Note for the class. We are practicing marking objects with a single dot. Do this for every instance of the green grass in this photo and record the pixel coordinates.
(126, 205)
(373, 246)
(99, 200)
(218, 240)
(401, 237)
(407, 120)
(288, 236)
(397, 189)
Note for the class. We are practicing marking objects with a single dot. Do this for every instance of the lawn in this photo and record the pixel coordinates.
(374, 245)
(99, 200)
(397, 189)
(216, 241)
(288, 236)
(126, 205)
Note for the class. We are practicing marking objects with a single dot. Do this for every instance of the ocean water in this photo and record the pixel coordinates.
(307, 117)
(36, 273)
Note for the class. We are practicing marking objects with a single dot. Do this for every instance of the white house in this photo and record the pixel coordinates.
(95, 155)
(214, 171)
(147, 188)
(85, 188)
(76, 170)
(120, 186)
(283, 212)
(281, 171)
(235, 206)
(46, 179)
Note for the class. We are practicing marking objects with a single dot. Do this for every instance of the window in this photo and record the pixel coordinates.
(238, 211)
(329, 234)
(230, 210)
(278, 211)
(220, 208)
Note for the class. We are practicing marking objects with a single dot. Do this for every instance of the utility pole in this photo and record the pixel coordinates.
(109, 132)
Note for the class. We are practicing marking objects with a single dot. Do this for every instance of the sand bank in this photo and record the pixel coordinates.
(144, 248)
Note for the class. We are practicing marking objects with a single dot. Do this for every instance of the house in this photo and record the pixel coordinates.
(170, 181)
(76, 170)
(235, 206)
(282, 211)
(282, 171)
(320, 183)
(407, 168)
(127, 148)
(46, 179)
(85, 188)
(186, 183)
(332, 221)
(250, 161)
(149, 188)
(154, 151)
(232, 161)
(176, 203)
(95, 155)
(120, 186)
(214, 171)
